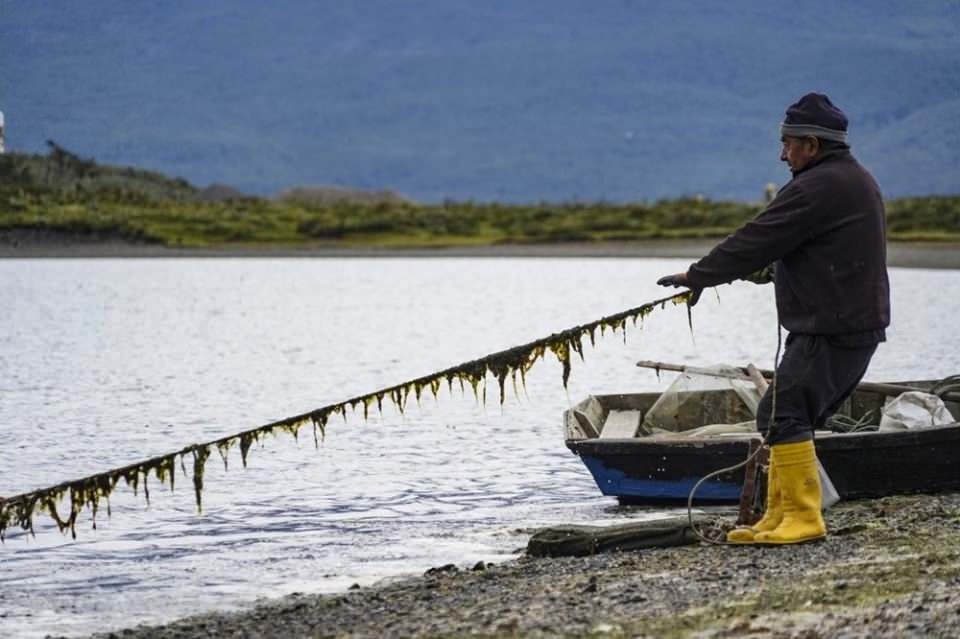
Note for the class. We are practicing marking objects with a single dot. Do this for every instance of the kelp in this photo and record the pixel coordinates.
(89, 492)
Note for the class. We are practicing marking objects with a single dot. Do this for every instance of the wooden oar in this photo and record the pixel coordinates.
(757, 377)
(890, 390)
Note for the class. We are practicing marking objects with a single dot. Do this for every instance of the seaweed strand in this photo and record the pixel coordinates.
(86, 493)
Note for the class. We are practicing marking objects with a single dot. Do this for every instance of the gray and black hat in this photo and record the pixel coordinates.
(814, 114)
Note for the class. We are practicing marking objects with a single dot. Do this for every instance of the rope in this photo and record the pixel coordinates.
(773, 411)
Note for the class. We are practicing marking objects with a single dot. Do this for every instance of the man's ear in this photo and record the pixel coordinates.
(812, 145)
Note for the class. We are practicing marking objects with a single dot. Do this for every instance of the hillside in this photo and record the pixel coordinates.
(554, 100)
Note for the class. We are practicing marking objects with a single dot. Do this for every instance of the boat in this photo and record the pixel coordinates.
(713, 429)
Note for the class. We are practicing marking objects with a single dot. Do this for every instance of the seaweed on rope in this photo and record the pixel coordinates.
(94, 490)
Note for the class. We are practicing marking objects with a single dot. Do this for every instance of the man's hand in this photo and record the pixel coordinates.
(680, 279)
(676, 280)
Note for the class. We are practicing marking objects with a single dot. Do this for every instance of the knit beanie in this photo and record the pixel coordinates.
(814, 114)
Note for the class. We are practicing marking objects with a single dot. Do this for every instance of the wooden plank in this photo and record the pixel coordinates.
(751, 504)
(578, 425)
(621, 424)
(585, 420)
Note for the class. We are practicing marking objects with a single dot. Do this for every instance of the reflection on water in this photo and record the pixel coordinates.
(103, 362)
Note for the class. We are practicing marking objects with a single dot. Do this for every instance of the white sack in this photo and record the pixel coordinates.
(914, 410)
(828, 492)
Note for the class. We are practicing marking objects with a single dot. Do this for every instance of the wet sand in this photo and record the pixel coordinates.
(53, 245)
(889, 568)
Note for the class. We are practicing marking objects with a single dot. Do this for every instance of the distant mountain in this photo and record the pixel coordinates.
(492, 100)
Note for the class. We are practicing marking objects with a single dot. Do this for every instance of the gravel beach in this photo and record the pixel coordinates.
(889, 568)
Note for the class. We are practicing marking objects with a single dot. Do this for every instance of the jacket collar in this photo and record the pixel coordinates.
(828, 156)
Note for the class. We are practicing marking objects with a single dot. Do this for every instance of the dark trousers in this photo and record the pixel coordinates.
(815, 375)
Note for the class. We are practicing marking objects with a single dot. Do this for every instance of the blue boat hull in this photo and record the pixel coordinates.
(617, 483)
(859, 465)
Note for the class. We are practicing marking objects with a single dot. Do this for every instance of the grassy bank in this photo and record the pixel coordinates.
(63, 193)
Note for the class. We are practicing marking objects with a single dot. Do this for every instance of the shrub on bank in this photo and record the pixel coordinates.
(62, 191)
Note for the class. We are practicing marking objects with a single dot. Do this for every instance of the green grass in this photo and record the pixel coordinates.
(62, 192)
(924, 219)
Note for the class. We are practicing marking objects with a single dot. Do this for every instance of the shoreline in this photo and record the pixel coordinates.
(889, 568)
(932, 255)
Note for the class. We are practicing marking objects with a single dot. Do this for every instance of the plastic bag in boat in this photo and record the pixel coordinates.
(914, 410)
(702, 397)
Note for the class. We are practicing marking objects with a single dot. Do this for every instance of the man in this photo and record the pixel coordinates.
(825, 235)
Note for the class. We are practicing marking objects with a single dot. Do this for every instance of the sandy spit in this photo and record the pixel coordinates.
(890, 568)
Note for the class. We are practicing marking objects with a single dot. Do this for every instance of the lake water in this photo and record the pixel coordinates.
(104, 362)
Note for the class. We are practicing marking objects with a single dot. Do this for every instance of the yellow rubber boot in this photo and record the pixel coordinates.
(800, 495)
(772, 513)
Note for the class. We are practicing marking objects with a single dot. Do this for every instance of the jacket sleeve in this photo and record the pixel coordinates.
(785, 224)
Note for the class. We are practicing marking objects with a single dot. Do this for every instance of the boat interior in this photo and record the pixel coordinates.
(695, 409)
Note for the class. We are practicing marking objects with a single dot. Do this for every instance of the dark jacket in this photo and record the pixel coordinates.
(826, 231)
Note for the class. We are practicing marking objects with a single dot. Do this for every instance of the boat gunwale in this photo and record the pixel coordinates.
(835, 441)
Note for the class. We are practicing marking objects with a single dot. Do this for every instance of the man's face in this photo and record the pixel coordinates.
(797, 152)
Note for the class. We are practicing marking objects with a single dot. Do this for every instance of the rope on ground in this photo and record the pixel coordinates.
(87, 493)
